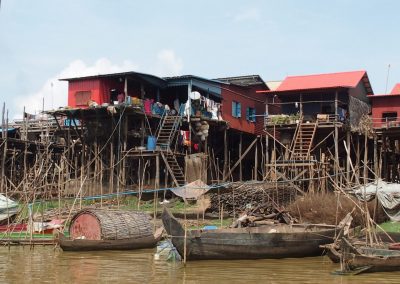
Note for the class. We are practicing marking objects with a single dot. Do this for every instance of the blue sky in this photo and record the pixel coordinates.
(44, 40)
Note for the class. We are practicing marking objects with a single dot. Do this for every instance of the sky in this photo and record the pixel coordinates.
(43, 41)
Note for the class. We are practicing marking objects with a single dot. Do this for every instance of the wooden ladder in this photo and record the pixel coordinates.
(169, 126)
(303, 141)
(173, 167)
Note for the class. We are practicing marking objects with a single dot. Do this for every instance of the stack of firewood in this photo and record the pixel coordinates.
(242, 197)
(258, 202)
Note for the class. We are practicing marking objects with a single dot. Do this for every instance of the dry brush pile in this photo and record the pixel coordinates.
(330, 208)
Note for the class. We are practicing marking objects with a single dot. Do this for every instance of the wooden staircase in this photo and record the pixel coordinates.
(173, 167)
(169, 126)
(303, 141)
(167, 132)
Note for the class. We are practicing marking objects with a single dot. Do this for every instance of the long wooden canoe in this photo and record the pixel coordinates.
(270, 241)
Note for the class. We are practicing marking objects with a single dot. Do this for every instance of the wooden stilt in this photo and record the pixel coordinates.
(240, 154)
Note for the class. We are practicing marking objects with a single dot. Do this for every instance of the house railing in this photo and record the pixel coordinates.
(386, 122)
(293, 119)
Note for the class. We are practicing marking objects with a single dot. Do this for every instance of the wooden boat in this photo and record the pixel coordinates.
(91, 245)
(368, 259)
(8, 209)
(269, 241)
(333, 250)
(99, 229)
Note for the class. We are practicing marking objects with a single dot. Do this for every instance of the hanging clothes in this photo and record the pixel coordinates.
(147, 106)
(185, 138)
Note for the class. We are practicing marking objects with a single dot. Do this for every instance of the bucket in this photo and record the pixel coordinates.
(151, 143)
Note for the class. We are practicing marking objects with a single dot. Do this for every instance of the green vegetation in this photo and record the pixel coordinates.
(284, 118)
(389, 226)
(24, 235)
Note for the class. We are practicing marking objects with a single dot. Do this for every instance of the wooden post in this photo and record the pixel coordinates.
(267, 161)
(189, 115)
(124, 149)
(225, 171)
(256, 163)
(358, 160)
(376, 166)
(337, 164)
(157, 178)
(301, 106)
(366, 158)
(111, 186)
(240, 154)
(348, 157)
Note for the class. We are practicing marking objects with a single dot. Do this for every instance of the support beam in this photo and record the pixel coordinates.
(336, 140)
(240, 154)
(240, 159)
(348, 157)
(225, 170)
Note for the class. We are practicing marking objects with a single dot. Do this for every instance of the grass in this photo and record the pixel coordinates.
(392, 227)
(25, 235)
(125, 202)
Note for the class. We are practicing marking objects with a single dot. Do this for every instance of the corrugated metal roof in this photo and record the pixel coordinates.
(244, 81)
(318, 81)
(188, 77)
(210, 86)
(151, 79)
(396, 89)
(325, 81)
(395, 92)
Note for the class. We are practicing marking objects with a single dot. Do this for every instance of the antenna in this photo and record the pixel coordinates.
(387, 78)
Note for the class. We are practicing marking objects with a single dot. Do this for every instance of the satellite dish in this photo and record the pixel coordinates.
(194, 95)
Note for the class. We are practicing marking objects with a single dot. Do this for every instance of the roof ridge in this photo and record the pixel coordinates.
(333, 73)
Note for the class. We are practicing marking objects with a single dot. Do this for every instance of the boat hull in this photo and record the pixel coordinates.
(370, 258)
(94, 245)
(244, 243)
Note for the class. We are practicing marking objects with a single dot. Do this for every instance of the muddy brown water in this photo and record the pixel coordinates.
(46, 265)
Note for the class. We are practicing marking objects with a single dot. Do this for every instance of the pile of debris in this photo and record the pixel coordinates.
(263, 215)
(254, 203)
(241, 197)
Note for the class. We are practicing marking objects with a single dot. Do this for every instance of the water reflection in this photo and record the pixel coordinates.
(46, 265)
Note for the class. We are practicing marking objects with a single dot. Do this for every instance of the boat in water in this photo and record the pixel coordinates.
(100, 229)
(362, 259)
(8, 208)
(388, 241)
(267, 241)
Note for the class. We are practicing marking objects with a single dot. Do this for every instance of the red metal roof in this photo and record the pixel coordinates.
(322, 81)
(396, 89)
(395, 92)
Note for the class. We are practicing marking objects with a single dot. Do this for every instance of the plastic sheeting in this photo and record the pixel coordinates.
(192, 190)
(388, 195)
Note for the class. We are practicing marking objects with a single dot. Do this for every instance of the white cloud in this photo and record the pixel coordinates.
(55, 92)
(247, 15)
(168, 64)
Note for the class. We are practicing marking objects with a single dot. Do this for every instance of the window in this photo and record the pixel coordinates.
(251, 114)
(82, 98)
(389, 116)
(236, 109)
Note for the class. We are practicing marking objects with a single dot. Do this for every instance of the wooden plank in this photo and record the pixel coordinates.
(240, 159)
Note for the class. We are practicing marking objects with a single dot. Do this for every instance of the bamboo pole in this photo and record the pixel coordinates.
(256, 163)
(240, 154)
(365, 157)
(348, 157)
(240, 159)
(336, 139)
(225, 170)
(376, 165)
